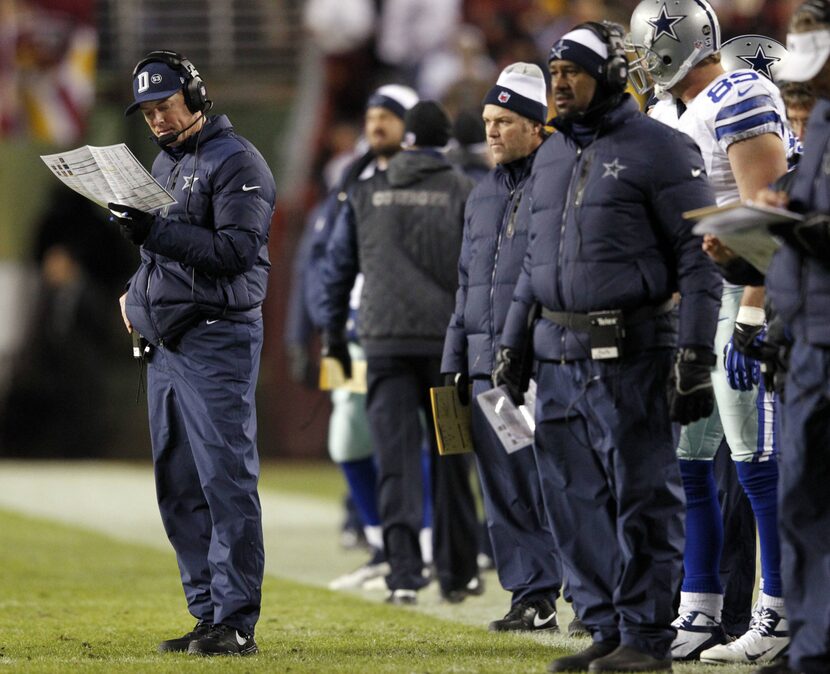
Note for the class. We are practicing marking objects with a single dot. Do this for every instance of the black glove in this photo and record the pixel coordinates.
(691, 396)
(461, 381)
(810, 237)
(335, 346)
(508, 373)
(135, 225)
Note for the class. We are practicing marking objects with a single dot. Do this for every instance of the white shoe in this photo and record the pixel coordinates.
(696, 632)
(376, 567)
(767, 638)
(402, 597)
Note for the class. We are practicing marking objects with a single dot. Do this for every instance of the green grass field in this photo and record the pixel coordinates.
(74, 599)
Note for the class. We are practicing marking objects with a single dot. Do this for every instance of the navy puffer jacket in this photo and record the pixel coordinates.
(607, 233)
(799, 286)
(206, 255)
(494, 245)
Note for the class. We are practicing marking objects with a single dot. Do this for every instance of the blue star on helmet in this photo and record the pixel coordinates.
(613, 168)
(663, 24)
(760, 63)
(556, 51)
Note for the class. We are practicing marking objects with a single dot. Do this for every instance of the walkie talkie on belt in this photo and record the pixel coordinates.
(141, 347)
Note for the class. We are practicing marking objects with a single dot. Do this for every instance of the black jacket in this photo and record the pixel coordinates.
(402, 229)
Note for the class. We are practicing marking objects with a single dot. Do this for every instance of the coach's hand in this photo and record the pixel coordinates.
(691, 396)
(508, 373)
(461, 382)
(135, 225)
(335, 346)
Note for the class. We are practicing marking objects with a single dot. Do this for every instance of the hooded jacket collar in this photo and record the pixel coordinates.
(409, 166)
(583, 132)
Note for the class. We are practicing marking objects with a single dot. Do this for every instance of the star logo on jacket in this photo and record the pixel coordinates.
(613, 168)
(189, 181)
(663, 24)
(504, 96)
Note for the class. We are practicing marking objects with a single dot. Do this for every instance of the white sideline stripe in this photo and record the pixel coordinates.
(119, 501)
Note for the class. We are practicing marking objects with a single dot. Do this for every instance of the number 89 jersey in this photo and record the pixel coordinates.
(737, 105)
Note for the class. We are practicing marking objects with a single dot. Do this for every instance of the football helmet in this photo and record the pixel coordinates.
(667, 39)
(761, 53)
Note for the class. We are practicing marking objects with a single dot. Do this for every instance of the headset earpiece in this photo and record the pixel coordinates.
(615, 70)
(193, 89)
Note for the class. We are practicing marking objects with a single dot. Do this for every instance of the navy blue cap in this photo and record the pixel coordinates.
(154, 82)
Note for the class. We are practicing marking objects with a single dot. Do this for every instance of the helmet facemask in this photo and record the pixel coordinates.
(667, 39)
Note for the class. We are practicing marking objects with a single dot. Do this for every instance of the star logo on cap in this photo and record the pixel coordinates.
(613, 168)
(760, 62)
(556, 51)
(664, 23)
(504, 96)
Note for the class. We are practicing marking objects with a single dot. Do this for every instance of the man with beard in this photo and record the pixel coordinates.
(402, 229)
(349, 443)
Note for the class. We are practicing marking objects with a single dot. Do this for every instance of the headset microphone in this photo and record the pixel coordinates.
(166, 139)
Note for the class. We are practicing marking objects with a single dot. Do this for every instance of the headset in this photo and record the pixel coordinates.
(615, 69)
(194, 91)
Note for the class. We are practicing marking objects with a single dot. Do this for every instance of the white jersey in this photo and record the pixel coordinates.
(737, 105)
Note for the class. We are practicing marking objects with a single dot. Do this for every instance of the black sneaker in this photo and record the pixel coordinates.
(180, 645)
(223, 640)
(528, 616)
(627, 659)
(579, 662)
(576, 628)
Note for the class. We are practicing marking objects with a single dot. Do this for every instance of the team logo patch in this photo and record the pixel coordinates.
(613, 168)
(156, 79)
(504, 97)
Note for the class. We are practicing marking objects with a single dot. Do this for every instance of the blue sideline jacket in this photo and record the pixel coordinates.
(494, 244)
(606, 233)
(799, 286)
(206, 255)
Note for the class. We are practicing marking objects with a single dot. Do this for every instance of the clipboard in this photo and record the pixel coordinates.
(744, 227)
(332, 376)
(453, 421)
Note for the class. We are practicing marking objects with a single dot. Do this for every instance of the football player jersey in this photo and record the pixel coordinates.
(737, 105)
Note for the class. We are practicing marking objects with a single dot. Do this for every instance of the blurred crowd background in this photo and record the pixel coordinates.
(293, 75)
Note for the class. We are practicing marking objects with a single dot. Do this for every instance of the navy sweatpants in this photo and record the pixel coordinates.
(398, 404)
(203, 431)
(613, 493)
(523, 547)
(804, 508)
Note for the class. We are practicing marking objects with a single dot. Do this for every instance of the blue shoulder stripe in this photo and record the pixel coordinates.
(746, 124)
(741, 107)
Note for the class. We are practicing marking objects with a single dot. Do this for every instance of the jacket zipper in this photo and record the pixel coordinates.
(493, 273)
(174, 176)
(574, 173)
